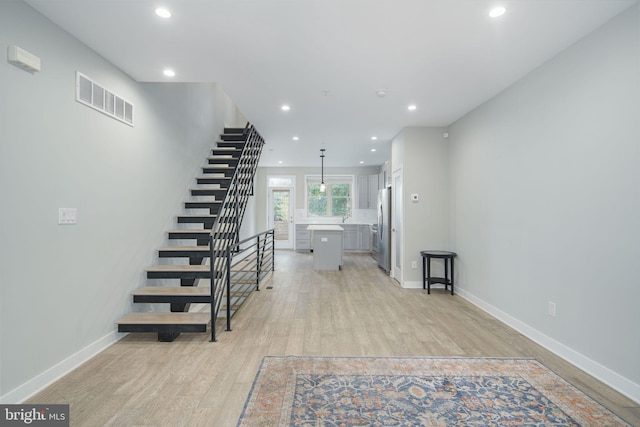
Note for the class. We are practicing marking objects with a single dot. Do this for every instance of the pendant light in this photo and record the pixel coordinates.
(323, 187)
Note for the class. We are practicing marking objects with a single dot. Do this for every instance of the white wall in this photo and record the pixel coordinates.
(545, 203)
(421, 153)
(63, 287)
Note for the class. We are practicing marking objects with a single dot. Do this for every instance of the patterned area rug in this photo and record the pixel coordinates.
(395, 391)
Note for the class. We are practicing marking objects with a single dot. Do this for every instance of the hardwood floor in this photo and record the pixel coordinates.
(358, 311)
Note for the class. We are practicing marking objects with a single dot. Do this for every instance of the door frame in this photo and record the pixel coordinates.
(292, 203)
(397, 216)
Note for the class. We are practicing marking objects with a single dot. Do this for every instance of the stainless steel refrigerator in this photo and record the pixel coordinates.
(384, 229)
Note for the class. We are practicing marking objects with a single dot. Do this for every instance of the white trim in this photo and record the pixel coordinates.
(45, 379)
(591, 367)
(409, 284)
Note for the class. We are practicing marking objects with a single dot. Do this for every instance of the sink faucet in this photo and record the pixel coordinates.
(344, 219)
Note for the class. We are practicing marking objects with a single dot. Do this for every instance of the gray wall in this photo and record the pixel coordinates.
(421, 153)
(545, 202)
(63, 287)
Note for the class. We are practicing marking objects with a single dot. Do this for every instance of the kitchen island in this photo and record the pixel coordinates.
(327, 246)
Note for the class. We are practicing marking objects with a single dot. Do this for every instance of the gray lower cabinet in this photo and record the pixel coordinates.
(351, 237)
(356, 237)
(365, 237)
(303, 238)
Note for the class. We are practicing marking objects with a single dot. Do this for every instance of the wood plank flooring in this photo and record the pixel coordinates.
(358, 311)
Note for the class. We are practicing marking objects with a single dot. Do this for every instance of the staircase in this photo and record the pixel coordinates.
(221, 192)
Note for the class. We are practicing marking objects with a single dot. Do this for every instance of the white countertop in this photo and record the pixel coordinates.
(324, 227)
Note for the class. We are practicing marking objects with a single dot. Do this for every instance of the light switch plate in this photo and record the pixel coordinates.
(67, 216)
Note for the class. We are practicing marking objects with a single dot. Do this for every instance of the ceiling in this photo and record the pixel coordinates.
(327, 58)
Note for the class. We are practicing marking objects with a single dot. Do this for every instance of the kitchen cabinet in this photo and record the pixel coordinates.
(327, 246)
(367, 191)
(303, 238)
(351, 237)
(355, 237)
(365, 237)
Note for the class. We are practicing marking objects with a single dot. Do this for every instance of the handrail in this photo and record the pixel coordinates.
(226, 226)
(235, 250)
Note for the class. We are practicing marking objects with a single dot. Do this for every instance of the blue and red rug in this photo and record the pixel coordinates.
(397, 391)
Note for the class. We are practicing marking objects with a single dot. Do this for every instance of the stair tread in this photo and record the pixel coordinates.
(184, 248)
(197, 216)
(166, 318)
(173, 290)
(192, 230)
(189, 268)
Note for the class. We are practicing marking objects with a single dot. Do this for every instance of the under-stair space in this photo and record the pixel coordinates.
(207, 253)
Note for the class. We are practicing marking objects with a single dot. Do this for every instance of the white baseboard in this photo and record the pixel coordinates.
(593, 368)
(36, 384)
(412, 285)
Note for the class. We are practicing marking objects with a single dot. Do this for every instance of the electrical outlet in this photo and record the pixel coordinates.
(414, 264)
(552, 309)
(67, 216)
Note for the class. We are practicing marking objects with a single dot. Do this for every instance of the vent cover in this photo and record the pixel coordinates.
(95, 96)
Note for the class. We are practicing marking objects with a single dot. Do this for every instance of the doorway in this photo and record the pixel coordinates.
(281, 217)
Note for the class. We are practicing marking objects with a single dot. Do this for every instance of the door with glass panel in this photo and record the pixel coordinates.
(281, 217)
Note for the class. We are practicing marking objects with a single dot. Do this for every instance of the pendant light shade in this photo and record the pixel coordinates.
(323, 187)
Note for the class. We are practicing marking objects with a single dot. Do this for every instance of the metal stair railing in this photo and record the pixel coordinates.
(249, 264)
(226, 227)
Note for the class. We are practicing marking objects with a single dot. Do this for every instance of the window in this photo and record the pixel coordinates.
(335, 201)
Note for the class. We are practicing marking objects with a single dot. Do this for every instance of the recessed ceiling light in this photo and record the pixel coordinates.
(295, 138)
(373, 150)
(163, 13)
(373, 138)
(169, 72)
(279, 162)
(411, 107)
(497, 11)
(285, 108)
(361, 162)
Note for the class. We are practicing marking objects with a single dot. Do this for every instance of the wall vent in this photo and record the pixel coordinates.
(95, 96)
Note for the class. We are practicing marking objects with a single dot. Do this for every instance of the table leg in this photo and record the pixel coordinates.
(428, 275)
(446, 274)
(424, 283)
(452, 275)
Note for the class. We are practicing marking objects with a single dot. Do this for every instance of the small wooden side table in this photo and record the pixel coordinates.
(427, 280)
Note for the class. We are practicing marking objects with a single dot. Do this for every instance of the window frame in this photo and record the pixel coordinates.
(329, 179)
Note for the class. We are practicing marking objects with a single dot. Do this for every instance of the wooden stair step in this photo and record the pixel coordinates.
(225, 160)
(178, 272)
(164, 322)
(228, 151)
(184, 251)
(222, 180)
(225, 171)
(172, 294)
(218, 192)
(189, 234)
(232, 137)
(203, 204)
(234, 130)
(190, 219)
